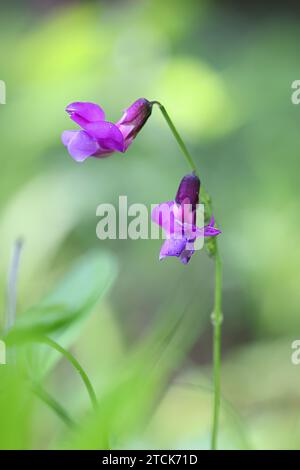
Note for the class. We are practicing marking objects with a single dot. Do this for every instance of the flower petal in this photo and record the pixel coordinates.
(67, 136)
(186, 255)
(137, 112)
(172, 247)
(210, 231)
(133, 119)
(207, 231)
(189, 231)
(80, 144)
(84, 112)
(107, 134)
(164, 215)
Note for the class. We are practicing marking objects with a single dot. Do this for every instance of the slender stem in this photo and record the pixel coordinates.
(217, 321)
(53, 404)
(11, 303)
(178, 138)
(53, 344)
(217, 312)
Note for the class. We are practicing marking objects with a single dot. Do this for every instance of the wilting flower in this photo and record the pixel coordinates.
(100, 138)
(178, 219)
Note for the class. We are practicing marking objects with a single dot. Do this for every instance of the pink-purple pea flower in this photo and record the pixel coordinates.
(100, 138)
(178, 219)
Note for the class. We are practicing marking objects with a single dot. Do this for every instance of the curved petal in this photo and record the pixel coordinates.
(172, 247)
(84, 112)
(136, 111)
(126, 131)
(80, 145)
(210, 231)
(67, 136)
(107, 134)
(133, 119)
(164, 215)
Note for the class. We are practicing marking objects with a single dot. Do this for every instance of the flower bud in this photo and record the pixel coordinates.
(134, 119)
(188, 191)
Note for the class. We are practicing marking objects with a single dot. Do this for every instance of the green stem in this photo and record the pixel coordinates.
(179, 140)
(204, 195)
(53, 404)
(50, 342)
(217, 312)
(217, 321)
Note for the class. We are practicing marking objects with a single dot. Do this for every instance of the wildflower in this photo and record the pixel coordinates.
(100, 138)
(178, 219)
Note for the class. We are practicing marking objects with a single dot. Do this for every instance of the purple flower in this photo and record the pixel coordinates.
(100, 138)
(178, 219)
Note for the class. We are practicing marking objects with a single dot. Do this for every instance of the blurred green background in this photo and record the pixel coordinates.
(224, 73)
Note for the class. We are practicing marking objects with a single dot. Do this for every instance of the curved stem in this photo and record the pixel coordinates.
(50, 342)
(53, 404)
(179, 140)
(217, 312)
(217, 321)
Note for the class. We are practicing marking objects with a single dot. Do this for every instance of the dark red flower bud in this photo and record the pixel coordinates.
(188, 191)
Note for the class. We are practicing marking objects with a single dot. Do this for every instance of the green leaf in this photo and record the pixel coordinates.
(62, 313)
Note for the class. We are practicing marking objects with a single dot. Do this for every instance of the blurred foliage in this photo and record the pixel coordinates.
(225, 78)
